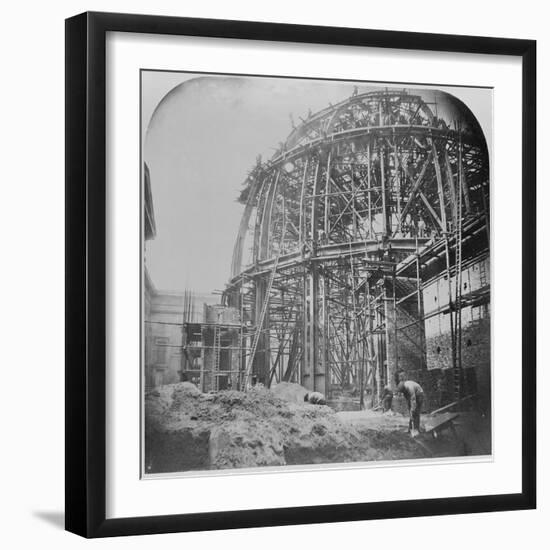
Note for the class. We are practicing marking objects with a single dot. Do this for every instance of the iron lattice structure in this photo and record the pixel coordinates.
(354, 190)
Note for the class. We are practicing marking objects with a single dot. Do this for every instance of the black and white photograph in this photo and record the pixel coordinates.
(316, 274)
(274, 276)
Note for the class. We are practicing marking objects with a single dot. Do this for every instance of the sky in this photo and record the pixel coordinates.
(201, 136)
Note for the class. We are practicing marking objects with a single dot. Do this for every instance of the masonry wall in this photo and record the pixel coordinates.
(475, 337)
(431, 364)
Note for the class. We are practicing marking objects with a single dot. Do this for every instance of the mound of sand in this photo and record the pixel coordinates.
(188, 430)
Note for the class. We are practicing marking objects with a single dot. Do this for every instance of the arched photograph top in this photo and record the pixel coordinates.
(316, 272)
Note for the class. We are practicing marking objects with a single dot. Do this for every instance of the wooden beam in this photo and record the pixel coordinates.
(440, 191)
(417, 183)
(383, 180)
(301, 222)
(327, 194)
(463, 182)
(432, 211)
(451, 184)
(397, 185)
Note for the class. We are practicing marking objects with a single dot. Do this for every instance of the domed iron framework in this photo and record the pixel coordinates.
(329, 221)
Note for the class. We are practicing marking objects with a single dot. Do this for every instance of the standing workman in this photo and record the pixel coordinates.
(414, 394)
(387, 398)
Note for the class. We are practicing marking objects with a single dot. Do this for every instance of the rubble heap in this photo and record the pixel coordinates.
(188, 430)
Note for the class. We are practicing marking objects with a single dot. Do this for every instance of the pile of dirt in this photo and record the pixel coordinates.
(188, 430)
(289, 392)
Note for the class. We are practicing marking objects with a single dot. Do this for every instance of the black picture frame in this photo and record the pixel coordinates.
(86, 273)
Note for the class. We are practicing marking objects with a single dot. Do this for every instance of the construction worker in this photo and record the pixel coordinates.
(315, 398)
(421, 228)
(414, 394)
(387, 398)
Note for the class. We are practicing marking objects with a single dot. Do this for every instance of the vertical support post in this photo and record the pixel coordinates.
(242, 346)
(354, 212)
(380, 352)
(385, 315)
(260, 214)
(450, 299)
(266, 233)
(463, 182)
(383, 185)
(458, 277)
(440, 191)
(260, 366)
(356, 356)
(375, 375)
(326, 225)
(325, 338)
(283, 223)
(314, 216)
(203, 359)
(215, 362)
(418, 286)
(184, 363)
(310, 371)
(302, 223)
(486, 212)
(369, 199)
(311, 297)
(421, 345)
(395, 343)
(397, 187)
(451, 185)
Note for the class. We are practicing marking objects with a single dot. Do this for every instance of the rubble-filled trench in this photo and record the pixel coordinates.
(188, 430)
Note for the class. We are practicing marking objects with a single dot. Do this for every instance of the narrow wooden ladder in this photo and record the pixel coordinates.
(217, 351)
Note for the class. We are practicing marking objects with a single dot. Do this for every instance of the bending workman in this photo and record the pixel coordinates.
(414, 394)
(315, 398)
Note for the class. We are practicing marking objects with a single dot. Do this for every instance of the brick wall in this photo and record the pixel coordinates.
(433, 369)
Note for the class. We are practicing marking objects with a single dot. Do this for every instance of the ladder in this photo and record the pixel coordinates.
(261, 320)
(217, 352)
(457, 374)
